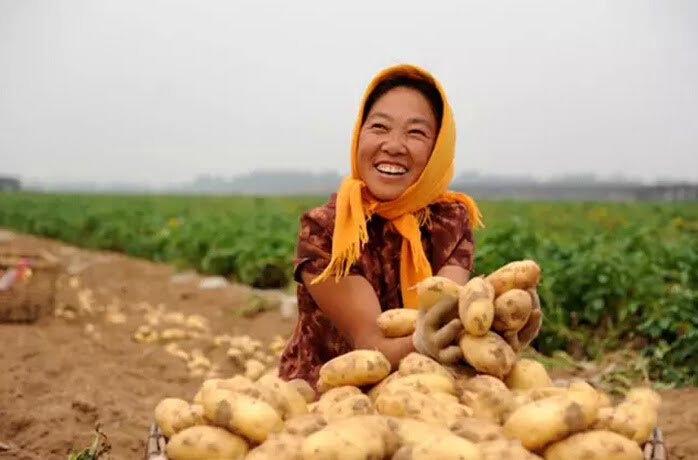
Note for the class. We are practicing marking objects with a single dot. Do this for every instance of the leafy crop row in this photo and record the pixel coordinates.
(614, 275)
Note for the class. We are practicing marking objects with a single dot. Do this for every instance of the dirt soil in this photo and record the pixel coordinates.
(64, 374)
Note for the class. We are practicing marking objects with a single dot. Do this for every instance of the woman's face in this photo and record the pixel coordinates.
(395, 142)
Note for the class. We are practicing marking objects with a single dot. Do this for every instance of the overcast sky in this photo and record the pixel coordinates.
(160, 91)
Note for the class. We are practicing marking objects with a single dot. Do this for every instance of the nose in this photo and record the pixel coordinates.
(394, 144)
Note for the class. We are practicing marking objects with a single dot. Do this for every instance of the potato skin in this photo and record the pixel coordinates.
(501, 449)
(403, 403)
(634, 418)
(253, 418)
(166, 413)
(520, 274)
(356, 368)
(416, 363)
(292, 402)
(423, 383)
(304, 389)
(476, 307)
(361, 437)
(434, 288)
(206, 443)
(527, 373)
(477, 430)
(350, 406)
(488, 354)
(511, 310)
(398, 322)
(334, 396)
(304, 425)
(448, 447)
(279, 446)
(594, 445)
(541, 422)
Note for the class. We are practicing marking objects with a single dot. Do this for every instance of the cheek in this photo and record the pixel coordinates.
(420, 155)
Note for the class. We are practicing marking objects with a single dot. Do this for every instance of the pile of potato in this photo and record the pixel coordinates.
(500, 407)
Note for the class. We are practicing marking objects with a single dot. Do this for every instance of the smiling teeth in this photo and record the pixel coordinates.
(391, 169)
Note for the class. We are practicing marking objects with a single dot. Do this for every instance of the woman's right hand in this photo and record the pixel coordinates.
(437, 331)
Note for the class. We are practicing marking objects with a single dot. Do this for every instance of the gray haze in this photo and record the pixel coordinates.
(158, 92)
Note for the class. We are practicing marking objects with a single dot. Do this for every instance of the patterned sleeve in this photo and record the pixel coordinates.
(314, 245)
(451, 236)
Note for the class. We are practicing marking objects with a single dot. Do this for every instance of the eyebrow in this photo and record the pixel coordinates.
(418, 120)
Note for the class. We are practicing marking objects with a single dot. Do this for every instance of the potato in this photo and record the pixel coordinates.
(423, 383)
(511, 310)
(594, 445)
(587, 398)
(349, 407)
(191, 416)
(210, 383)
(541, 422)
(333, 396)
(488, 354)
(375, 390)
(403, 403)
(293, 402)
(417, 363)
(502, 449)
(604, 399)
(522, 397)
(355, 438)
(398, 322)
(431, 290)
(448, 447)
(306, 424)
(245, 386)
(477, 430)
(520, 274)
(206, 443)
(304, 388)
(412, 431)
(357, 368)
(645, 396)
(527, 373)
(279, 446)
(634, 418)
(489, 398)
(166, 413)
(253, 418)
(475, 306)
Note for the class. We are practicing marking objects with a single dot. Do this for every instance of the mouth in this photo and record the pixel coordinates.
(390, 169)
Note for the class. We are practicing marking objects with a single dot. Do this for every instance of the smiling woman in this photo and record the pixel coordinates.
(391, 224)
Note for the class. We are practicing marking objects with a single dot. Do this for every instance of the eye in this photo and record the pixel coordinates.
(418, 132)
(379, 126)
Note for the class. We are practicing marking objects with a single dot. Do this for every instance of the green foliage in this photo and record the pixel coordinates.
(615, 276)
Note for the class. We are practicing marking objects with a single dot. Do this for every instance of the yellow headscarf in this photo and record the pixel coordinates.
(407, 212)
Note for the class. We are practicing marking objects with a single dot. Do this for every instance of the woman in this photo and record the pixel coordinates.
(391, 224)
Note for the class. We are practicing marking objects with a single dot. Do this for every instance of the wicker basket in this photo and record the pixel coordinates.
(25, 300)
(155, 445)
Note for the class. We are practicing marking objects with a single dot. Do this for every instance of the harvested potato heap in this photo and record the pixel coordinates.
(502, 409)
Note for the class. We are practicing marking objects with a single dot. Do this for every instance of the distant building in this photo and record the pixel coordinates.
(9, 184)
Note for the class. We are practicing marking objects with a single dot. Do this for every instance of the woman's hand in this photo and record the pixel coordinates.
(437, 331)
(523, 338)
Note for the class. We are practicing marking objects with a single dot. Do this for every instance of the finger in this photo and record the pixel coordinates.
(451, 354)
(535, 299)
(448, 334)
(531, 329)
(441, 312)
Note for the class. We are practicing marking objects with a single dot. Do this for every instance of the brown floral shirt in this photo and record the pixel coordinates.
(447, 240)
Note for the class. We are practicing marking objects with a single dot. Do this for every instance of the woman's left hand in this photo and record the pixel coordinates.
(437, 331)
(523, 338)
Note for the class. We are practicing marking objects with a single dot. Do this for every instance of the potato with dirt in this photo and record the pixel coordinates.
(432, 289)
(527, 374)
(206, 443)
(539, 423)
(361, 437)
(304, 389)
(278, 446)
(304, 425)
(357, 368)
(350, 406)
(519, 274)
(253, 418)
(512, 310)
(416, 363)
(167, 413)
(477, 430)
(448, 447)
(488, 354)
(292, 402)
(411, 404)
(487, 396)
(476, 306)
(398, 322)
(423, 383)
(635, 417)
(594, 445)
(334, 396)
(505, 449)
